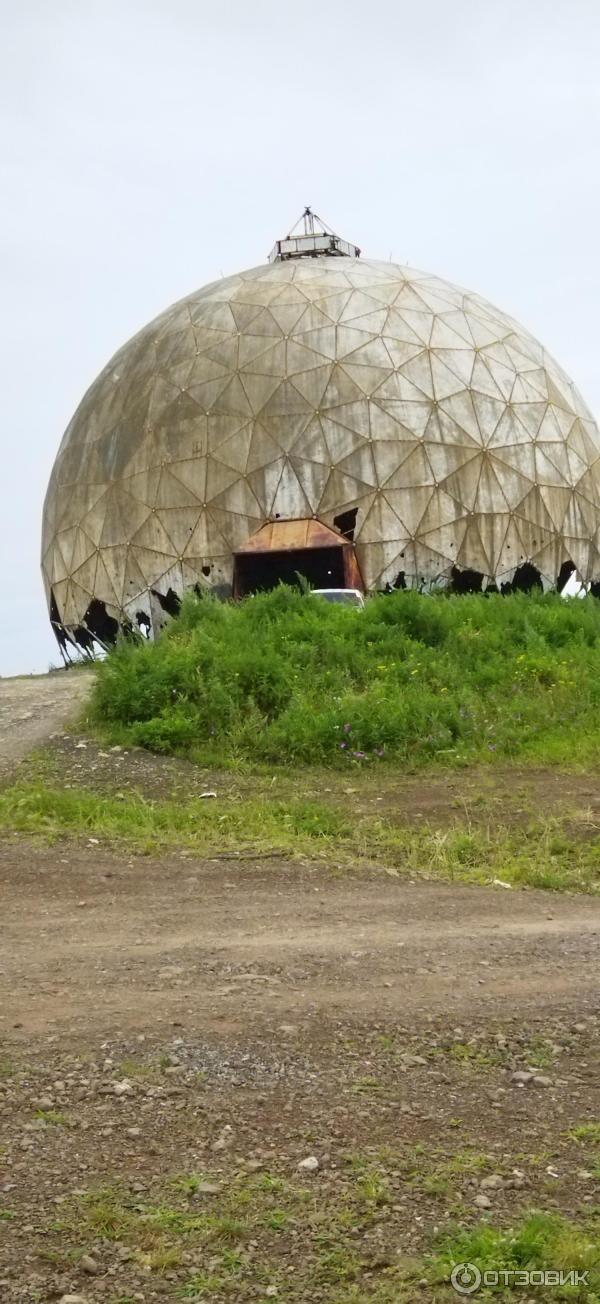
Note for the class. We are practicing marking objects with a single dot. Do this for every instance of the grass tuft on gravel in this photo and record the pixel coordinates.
(242, 1233)
(543, 854)
(283, 677)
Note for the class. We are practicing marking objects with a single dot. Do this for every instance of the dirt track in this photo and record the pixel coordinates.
(32, 708)
(91, 939)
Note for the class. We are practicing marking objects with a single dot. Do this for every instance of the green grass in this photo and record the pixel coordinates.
(539, 1241)
(543, 854)
(412, 678)
(313, 1241)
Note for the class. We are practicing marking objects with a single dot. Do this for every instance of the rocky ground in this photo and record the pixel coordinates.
(226, 1080)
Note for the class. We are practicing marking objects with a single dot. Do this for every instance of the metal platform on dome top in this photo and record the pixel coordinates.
(315, 240)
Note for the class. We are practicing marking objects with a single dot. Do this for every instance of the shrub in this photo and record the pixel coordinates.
(284, 677)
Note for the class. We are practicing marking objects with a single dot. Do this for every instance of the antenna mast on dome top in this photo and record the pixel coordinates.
(316, 240)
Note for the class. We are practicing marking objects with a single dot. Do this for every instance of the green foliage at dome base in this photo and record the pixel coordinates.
(288, 678)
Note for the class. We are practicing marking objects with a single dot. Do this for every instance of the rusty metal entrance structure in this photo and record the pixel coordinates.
(281, 551)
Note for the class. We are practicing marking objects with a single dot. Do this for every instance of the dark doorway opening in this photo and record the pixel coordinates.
(322, 568)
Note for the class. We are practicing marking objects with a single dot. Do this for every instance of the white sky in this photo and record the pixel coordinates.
(146, 146)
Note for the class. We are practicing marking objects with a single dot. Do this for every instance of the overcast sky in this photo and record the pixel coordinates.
(147, 146)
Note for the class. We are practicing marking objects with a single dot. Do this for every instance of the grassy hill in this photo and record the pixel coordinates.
(417, 680)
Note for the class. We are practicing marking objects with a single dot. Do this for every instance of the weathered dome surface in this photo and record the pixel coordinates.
(311, 388)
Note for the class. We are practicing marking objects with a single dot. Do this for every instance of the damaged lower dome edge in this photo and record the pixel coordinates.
(99, 630)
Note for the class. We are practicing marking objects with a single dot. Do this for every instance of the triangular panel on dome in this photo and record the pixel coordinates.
(252, 348)
(412, 472)
(359, 464)
(461, 413)
(134, 582)
(397, 385)
(580, 518)
(312, 478)
(409, 504)
(287, 401)
(532, 509)
(65, 540)
(258, 389)
(445, 540)
(198, 572)
(463, 484)
(556, 500)
(410, 415)
(530, 415)
(83, 549)
(288, 315)
(530, 387)
(216, 361)
(239, 499)
(382, 561)
(559, 391)
(205, 393)
(514, 484)
(233, 451)
(341, 441)
(390, 455)
(107, 579)
(579, 552)
(207, 537)
(483, 381)
(276, 434)
(85, 575)
(341, 491)
(341, 390)
(332, 305)
(290, 499)
(152, 535)
(552, 464)
(473, 553)
(299, 357)
(445, 459)
(400, 351)
(429, 565)
(171, 491)
(581, 440)
(233, 400)
(397, 328)
(442, 511)
(354, 416)
(445, 337)
(549, 559)
(577, 465)
(360, 305)
(417, 371)
(588, 487)
(312, 385)
(190, 473)
(379, 523)
(445, 373)
(321, 340)
(179, 524)
(352, 338)
(507, 431)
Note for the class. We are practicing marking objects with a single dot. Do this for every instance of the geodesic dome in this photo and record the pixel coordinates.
(421, 425)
